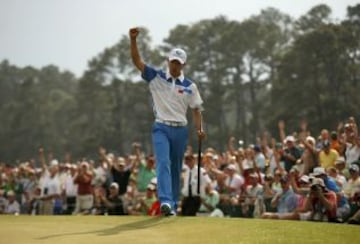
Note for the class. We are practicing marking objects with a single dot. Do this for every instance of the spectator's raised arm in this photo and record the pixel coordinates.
(42, 159)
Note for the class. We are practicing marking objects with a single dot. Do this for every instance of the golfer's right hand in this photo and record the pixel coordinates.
(134, 32)
(201, 134)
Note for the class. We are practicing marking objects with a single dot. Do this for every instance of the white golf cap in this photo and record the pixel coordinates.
(54, 163)
(340, 160)
(231, 167)
(290, 139)
(318, 171)
(115, 185)
(305, 179)
(178, 54)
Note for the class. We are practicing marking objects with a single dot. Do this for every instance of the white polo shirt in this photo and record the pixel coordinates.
(352, 153)
(236, 181)
(171, 96)
(51, 184)
(204, 180)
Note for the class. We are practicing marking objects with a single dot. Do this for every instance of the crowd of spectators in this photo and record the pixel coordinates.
(299, 177)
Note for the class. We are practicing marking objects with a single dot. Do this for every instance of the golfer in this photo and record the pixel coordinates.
(172, 94)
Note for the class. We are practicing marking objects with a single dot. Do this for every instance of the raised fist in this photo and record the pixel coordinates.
(134, 32)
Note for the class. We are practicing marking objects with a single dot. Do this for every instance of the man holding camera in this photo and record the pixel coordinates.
(321, 202)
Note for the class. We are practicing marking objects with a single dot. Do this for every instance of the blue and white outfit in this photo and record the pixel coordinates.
(171, 98)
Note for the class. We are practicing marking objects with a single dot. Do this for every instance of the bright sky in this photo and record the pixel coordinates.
(68, 33)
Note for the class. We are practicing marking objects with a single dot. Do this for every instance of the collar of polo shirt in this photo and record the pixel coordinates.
(181, 77)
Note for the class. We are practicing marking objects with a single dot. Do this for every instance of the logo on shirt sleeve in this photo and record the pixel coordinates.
(185, 90)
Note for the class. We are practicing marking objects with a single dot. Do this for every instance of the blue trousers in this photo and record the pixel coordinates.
(169, 147)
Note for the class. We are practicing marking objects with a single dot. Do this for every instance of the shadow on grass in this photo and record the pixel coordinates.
(143, 224)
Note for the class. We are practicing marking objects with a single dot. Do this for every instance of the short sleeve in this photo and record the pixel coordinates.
(149, 73)
(195, 100)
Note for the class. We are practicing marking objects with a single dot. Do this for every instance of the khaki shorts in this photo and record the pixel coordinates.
(84, 202)
(46, 207)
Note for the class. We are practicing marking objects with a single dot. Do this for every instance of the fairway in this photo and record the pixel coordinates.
(126, 229)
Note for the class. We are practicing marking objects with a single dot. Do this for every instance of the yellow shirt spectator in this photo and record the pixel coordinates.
(327, 156)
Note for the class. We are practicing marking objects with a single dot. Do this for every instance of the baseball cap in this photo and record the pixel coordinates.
(231, 167)
(305, 179)
(54, 162)
(85, 164)
(115, 185)
(318, 181)
(178, 54)
(311, 139)
(151, 187)
(340, 160)
(318, 171)
(290, 139)
(354, 168)
(248, 165)
(253, 175)
(153, 181)
(347, 126)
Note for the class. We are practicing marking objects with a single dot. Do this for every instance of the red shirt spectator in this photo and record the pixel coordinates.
(83, 179)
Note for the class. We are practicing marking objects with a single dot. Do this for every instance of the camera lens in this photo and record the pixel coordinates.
(314, 188)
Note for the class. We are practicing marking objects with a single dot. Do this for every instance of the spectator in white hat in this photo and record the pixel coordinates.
(234, 181)
(50, 184)
(12, 207)
(291, 153)
(353, 185)
(85, 198)
(113, 203)
(146, 202)
(321, 202)
(343, 207)
(340, 165)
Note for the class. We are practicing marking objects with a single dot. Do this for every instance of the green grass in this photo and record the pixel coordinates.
(126, 229)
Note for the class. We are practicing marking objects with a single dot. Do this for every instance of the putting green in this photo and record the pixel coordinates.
(131, 229)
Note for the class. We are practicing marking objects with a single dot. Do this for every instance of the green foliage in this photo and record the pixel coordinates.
(251, 74)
